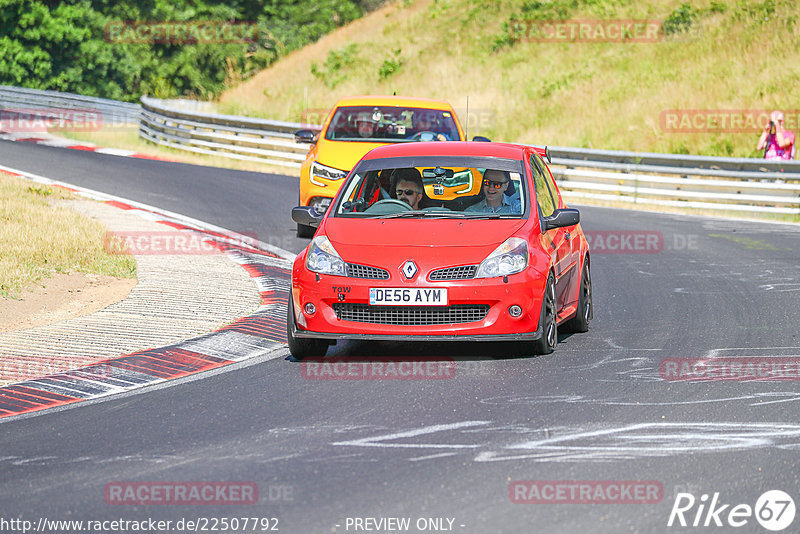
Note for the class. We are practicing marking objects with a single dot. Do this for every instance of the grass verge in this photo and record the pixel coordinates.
(39, 238)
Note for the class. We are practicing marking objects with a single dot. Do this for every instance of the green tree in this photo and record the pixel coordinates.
(61, 45)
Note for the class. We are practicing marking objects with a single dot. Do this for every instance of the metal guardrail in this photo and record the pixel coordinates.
(703, 182)
(230, 136)
(674, 161)
(731, 184)
(112, 112)
(767, 196)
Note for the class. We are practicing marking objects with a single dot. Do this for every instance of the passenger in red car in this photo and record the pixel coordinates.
(495, 184)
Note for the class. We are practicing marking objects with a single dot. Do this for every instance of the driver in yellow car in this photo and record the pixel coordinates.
(365, 125)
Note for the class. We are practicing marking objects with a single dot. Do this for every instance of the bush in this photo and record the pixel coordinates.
(680, 20)
(391, 65)
(331, 73)
(515, 28)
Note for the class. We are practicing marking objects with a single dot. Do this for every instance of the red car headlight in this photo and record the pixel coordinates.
(509, 258)
(322, 258)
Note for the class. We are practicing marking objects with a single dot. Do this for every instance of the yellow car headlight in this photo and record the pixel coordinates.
(319, 170)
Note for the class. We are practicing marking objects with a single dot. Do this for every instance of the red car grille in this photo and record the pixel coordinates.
(411, 315)
(355, 270)
(464, 272)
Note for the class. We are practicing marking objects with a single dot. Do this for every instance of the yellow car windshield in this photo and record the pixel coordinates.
(390, 124)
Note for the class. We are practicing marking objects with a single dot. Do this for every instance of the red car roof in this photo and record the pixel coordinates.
(454, 148)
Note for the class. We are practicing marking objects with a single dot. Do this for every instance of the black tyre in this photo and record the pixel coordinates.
(305, 231)
(303, 347)
(580, 323)
(547, 321)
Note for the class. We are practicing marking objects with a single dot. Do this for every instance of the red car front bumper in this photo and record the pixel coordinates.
(477, 309)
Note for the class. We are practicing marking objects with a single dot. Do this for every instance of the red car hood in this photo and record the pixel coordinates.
(359, 240)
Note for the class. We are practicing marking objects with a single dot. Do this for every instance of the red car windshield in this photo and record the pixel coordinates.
(391, 124)
(430, 187)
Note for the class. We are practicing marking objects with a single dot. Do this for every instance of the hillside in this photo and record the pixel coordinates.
(126, 48)
(725, 55)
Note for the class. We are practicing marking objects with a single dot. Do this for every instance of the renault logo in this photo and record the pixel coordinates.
(409, 269)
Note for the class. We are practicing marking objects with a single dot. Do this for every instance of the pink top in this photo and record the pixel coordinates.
(776, 152)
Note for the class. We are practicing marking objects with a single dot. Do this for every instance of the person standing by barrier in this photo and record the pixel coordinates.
(776, 141)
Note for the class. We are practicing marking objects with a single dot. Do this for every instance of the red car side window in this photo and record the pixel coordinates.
(543, 196)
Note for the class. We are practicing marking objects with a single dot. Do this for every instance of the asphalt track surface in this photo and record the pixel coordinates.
(323, 451)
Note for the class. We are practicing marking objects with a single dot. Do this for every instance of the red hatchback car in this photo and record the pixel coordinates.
(399, 256)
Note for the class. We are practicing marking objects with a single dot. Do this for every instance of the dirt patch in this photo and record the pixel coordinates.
(62, 297)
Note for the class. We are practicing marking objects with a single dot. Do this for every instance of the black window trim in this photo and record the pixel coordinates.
(484, 162)
(536, 167)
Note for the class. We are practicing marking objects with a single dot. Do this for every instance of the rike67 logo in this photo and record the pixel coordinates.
(774, 510)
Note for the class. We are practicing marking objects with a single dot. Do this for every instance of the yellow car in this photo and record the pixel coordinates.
(358, 124)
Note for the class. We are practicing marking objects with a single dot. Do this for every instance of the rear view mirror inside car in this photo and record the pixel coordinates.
(438, 173)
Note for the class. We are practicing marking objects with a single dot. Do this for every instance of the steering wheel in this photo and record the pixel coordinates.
(426, 135)
(388, 206)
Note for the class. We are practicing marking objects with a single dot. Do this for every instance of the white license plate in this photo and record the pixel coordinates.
(408, 296)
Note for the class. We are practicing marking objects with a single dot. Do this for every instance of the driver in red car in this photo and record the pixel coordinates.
(409, 186)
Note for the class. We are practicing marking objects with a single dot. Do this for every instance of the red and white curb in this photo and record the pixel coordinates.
(257, 335)
(45, 139)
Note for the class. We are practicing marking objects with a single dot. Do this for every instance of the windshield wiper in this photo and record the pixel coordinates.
(492, 216)
(448, 215)
(422, 213)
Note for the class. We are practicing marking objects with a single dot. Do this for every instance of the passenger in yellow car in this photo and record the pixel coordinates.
(426, 121)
